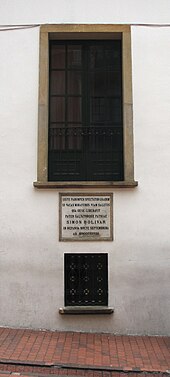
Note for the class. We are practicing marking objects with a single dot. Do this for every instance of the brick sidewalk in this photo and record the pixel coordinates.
(85, 374)
(82, 351)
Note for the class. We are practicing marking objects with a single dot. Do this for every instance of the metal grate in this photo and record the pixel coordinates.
(90, 153)
(85, 116)
(86, 279)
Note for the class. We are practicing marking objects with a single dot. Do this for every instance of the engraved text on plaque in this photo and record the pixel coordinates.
(86, 217)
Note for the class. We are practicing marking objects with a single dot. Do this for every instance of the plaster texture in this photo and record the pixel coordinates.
(31, 256)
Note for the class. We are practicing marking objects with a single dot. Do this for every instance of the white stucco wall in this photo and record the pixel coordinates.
(31, 257)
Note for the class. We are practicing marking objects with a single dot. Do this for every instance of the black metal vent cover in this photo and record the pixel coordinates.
(86, 279)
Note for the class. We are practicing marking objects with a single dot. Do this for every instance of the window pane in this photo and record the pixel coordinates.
(75, 136)
(58, 56)
(97, 83)
(57, 109)
(113, 84)
(113, 56)
(74, 82)
(74, 56)
(105, 84)
(97, 57)
(57, 83)
(106, 56)
(98, 110)
(56, 137)
(115, 110)
(105, 110)
(74, 109)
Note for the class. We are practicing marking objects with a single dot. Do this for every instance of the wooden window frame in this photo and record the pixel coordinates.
(78, 31)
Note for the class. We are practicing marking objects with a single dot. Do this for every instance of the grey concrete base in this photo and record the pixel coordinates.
(86, 310)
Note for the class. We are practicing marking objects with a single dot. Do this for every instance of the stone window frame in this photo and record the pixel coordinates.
(80, 31)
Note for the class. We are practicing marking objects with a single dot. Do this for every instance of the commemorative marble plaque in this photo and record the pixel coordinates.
(86, 217)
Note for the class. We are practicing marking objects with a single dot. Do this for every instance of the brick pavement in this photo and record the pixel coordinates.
(85, 374)
(70, 353)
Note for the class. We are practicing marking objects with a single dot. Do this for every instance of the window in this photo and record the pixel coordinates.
(85, 111)
(85, 133)
(86, 279)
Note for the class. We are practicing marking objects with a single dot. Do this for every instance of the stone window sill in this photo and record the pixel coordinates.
(116, 184)
(86, 310)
